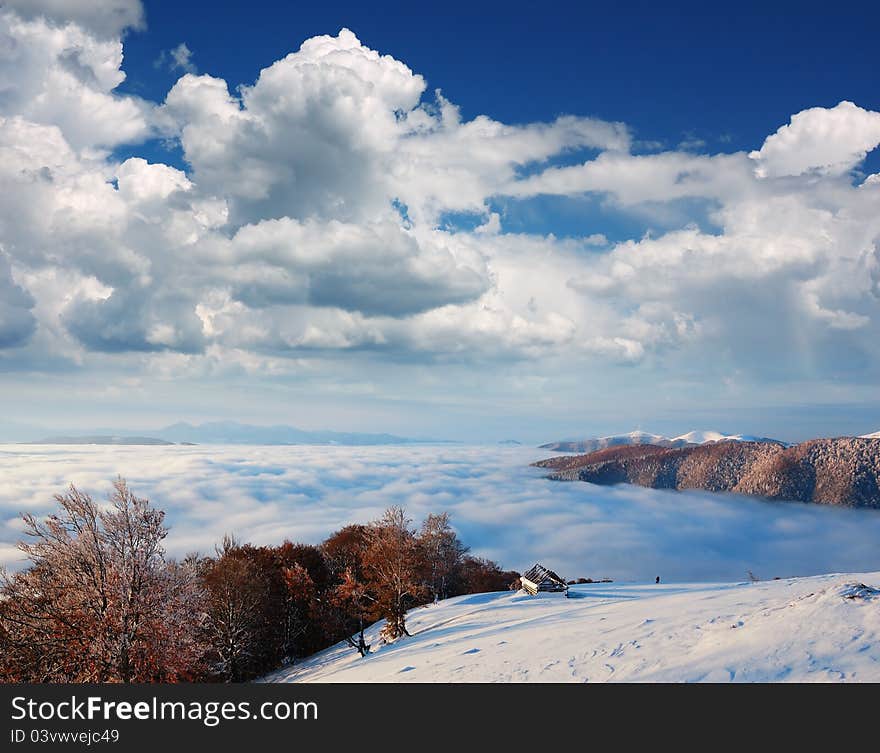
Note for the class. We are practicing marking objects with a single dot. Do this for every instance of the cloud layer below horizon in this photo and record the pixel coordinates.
(500, 506)
(337, 209)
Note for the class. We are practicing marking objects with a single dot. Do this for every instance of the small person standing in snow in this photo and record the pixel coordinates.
(658, 579)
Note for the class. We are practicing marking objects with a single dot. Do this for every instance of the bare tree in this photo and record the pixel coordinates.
(236, 595)
(100, 603)
(393, 567)
(353, 602)
(443, 554)
(300, 605)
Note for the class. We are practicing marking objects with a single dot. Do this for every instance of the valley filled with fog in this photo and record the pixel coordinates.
(499, 505)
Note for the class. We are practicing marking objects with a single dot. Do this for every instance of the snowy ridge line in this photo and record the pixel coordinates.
(688, 439)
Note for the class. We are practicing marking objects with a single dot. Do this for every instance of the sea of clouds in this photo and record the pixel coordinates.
(500, 506)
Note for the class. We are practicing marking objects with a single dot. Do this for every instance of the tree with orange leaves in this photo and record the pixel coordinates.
(393, 570)
(100, 603)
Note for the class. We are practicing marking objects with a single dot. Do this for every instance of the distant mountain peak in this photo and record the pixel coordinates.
(639, 437)
(234, 432)
(215, 432)
(103, 440)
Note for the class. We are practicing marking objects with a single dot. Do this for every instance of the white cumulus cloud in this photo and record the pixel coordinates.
(103, 17)
(318, 212)
(830, 141)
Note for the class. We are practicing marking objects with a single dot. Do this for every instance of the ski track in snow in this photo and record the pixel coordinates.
(800, 629)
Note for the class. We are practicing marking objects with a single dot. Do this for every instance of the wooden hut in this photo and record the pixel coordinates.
(539, 578)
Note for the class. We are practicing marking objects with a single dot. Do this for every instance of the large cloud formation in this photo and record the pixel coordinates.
(500, 506)
(314, 219)
(830, 141)
(101, 17)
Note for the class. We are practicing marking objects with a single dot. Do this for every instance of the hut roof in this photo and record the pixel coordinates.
(539, 573)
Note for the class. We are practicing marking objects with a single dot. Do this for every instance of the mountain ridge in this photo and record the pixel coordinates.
(842, 471)
(213, 432)
(638, 437)
(103, 440)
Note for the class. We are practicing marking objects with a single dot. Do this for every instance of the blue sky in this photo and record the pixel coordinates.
(717, 72)
(728, 75)
(610, 217)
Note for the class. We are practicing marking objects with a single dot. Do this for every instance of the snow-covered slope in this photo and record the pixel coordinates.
(642, 437)
(700, 437)
(706, 437)
(822, 628)
(635, 437)
(601, 443)
(875, 435)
